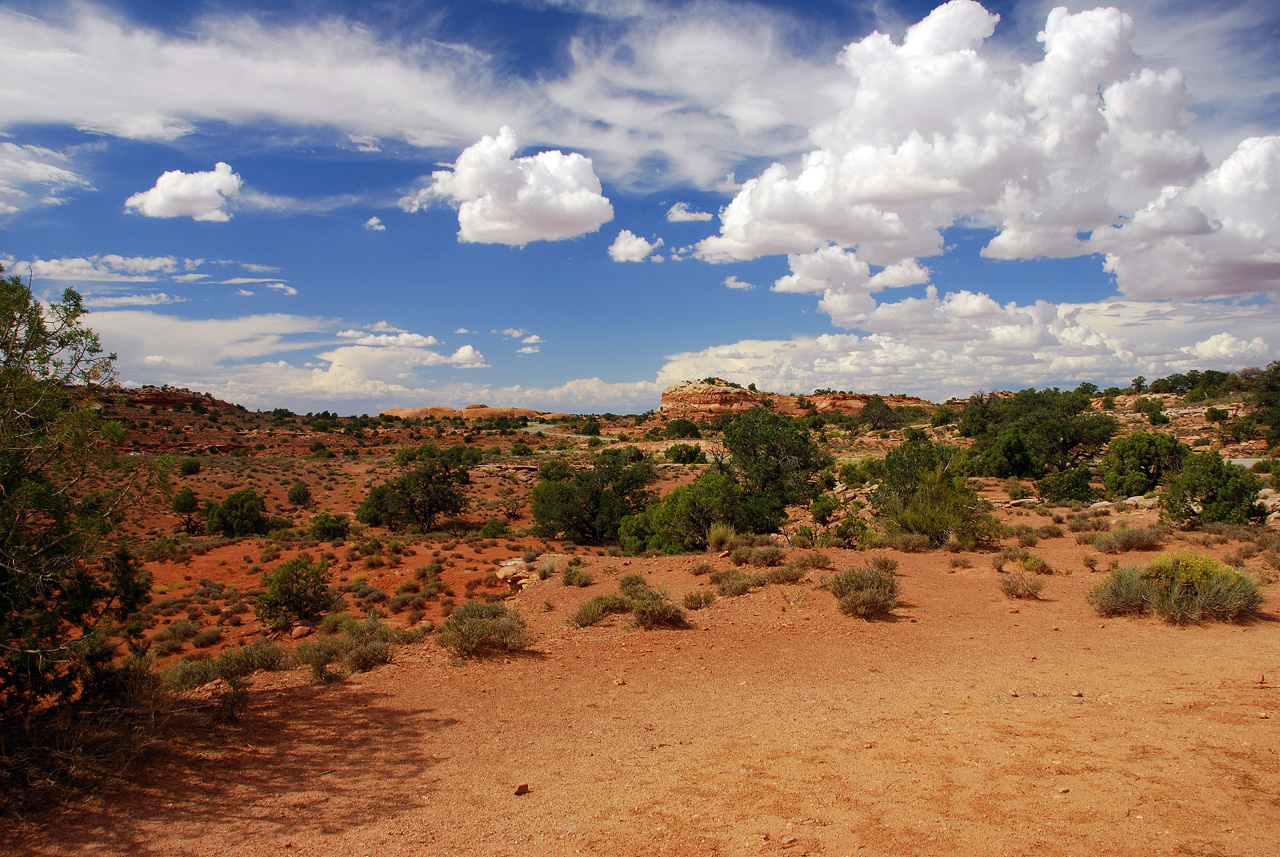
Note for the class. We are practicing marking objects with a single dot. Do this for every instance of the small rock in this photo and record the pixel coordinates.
(1264, 715)
(1077, 693)
(1013, 693)
(1063, 791)
(619, 681)
(300, 631)
(522, 789)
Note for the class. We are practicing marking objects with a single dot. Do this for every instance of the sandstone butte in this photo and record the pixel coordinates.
(713, 396)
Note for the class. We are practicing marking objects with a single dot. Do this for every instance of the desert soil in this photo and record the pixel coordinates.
(966, 724)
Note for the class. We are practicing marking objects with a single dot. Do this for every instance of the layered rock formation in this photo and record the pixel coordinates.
(712, 396)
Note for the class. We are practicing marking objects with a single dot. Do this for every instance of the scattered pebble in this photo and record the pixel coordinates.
(522, 789)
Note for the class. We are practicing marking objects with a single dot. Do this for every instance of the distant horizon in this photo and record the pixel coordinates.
(569, 205)
(1127, 391)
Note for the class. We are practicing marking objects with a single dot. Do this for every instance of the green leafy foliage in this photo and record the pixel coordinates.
(241, 513)
(1074, 483)
(329, 526)
(1034, 432)
(1137, 463)
(63, 584)
(297, 589)
(685, 453)
(775, 459)
(587, 505)
(1209, 490)
(186, 506)
(924, 491)
(430, 487)
(299, 494)
(686, 519)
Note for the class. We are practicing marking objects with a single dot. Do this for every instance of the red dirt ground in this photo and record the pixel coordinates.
(967, 724)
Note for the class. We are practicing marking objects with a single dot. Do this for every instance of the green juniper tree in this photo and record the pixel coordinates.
(64, 583)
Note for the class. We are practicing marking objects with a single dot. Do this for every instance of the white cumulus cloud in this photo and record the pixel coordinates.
(733, 282)
(503, 199)
(1087, 150)
(629, 247)
(200, 195)
(374, 224)
(682, 213)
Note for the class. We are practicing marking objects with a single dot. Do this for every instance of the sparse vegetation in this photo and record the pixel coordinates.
(865, 592)
(477, 628)
(1179, 587)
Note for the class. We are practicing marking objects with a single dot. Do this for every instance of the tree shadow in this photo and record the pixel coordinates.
(306, 760)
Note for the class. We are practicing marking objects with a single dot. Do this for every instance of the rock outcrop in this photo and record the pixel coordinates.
(712, 396)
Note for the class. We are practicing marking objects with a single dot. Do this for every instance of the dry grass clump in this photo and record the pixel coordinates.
(719, 535)
(1130, 539)
(1021, 586)
(698, 599)
(649, 608)
(480, 629)
(865, 592)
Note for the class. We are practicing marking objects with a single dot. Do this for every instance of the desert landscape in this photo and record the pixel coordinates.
(639, 427)
(766, 720)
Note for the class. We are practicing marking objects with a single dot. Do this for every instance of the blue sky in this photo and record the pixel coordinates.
(571, 204)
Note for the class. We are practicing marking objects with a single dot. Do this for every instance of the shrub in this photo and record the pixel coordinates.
(812, 560)
(242, 513)
(234, 662)
(656, 611)
(493, 528)
(328, 526)
(1139, 462)
(207, 638)
(598, 609)
(924, 491)
(701, 568)
(719, 534)
(865, 591)
(1180, 587)
(1021, 586)
(783, 574)
(574, 575)
(732, 583)
(768, 556)
(478, 629)
(685, 453)
(699, 599)
(1063, 486)
(1130, 539)
(913, 543)
(1035, 564)
(1209, 490)
(188, 467)
(299, 494)
(296, 590)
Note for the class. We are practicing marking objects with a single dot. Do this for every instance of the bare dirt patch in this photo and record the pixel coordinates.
(967, 724)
